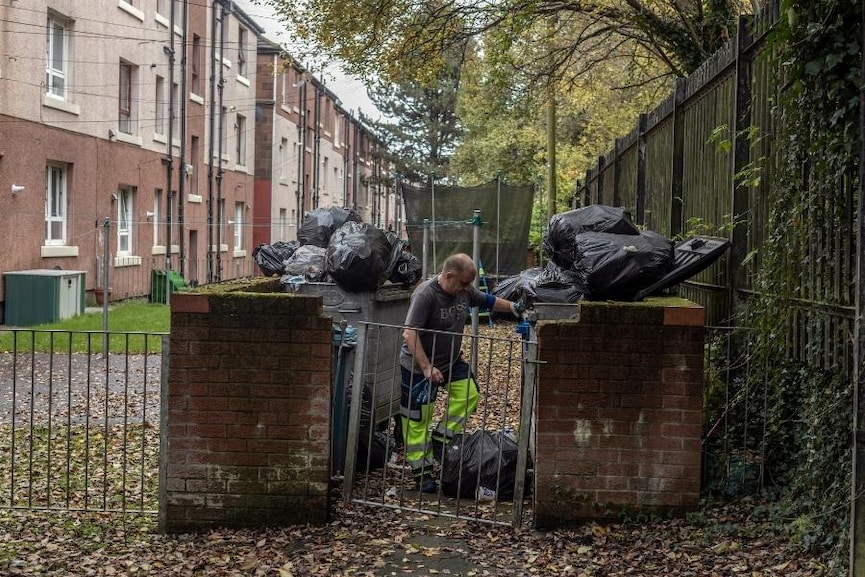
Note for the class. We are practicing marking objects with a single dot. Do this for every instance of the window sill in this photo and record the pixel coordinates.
(131, 10)
(160, 138)
(157, 249)
(49, 101)
(240, 168)
(196, 98)
(160, 19)
(243, 80)
(194, 198)
(239, 253)
(123, 261)
(58, 251)
(128, 138)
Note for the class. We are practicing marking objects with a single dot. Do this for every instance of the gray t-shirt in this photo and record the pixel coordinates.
(432, 308)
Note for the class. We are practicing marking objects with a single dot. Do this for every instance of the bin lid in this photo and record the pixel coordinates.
(690, 256)
(44, 272)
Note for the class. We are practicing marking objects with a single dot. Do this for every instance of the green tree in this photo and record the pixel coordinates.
(419, 127)
(391, 38)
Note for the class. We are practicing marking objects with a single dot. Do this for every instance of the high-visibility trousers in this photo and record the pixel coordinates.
(416, 410)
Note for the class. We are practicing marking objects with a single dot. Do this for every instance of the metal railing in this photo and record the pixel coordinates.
(79, 428)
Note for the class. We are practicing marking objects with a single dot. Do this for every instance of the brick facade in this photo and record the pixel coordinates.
(246, 431)
(619, 409)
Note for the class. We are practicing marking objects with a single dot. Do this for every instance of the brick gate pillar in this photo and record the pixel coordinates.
(619, 412)
(246, 432)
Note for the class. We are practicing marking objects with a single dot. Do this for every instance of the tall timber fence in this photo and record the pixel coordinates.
(703, 161)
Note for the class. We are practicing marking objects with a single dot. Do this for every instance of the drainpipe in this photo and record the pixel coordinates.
(182, 160)
(220, 173)
(316, 147)
(210, 148)
(169, 160)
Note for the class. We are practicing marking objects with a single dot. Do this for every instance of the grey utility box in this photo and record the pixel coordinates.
(40, 296)
(386, 306)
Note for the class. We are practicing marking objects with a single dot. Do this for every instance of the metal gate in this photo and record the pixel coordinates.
(503, 362)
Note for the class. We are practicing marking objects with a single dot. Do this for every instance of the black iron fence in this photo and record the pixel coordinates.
(79, 414)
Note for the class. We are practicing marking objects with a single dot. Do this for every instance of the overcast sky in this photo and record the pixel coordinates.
(352, 92)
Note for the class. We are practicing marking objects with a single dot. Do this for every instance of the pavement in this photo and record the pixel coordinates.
(426, 551)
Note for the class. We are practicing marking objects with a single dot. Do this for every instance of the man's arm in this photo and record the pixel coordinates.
(421, 360)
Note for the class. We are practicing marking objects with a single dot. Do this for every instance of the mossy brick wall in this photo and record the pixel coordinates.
(619, 412)
(247, 434)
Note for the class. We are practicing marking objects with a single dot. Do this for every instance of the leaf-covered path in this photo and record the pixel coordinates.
(720, 540)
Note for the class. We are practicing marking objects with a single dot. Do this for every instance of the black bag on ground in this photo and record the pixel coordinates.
(357, 257)
(483, 458)
(271, 258)
(618, 266)
(559, 242)
(319, 224)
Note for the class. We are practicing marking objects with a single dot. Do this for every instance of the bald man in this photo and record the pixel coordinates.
(430, 357)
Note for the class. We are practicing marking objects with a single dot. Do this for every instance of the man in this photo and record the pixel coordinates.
(430, 357)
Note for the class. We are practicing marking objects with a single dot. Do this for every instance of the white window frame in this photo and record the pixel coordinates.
(125, 222)
(238, 225)
(283, 159)
(56, 199)
(157, 205)
(57, 66)
(161, 113)
(195, 65)
(242, 38)
(240, 144)
(125, 98)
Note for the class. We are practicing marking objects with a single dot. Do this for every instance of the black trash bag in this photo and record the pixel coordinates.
(271, 258)
(307, 261)
(404, 267)
(513, 288)
(617, 266)
(319, 224)
(484, 458)
(559, 243)
(357, 257)
(558, 285)
(407, 269)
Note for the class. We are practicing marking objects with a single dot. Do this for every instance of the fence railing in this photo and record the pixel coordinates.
(80, 427)
(703, 162)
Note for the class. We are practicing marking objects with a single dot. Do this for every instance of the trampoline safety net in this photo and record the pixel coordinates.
(506, 212)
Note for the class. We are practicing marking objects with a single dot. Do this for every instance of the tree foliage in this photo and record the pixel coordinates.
(815, 160)
(420, 126)
(392, 38)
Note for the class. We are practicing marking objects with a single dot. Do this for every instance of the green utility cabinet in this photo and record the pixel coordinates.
(40, 296)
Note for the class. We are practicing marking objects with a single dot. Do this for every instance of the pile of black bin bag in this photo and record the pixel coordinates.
(335, 245)
(595, 253)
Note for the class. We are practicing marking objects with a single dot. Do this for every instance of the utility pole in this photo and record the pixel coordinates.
(551, 130)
